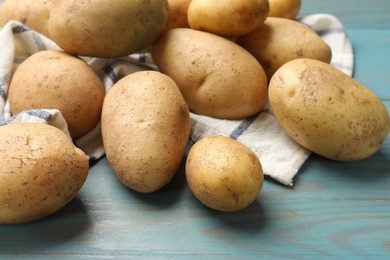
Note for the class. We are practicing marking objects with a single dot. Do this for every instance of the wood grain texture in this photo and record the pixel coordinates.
(335, 210)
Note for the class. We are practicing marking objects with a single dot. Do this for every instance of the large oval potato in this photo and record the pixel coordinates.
(223, 173)
(228, 17)
(281, 40)
(56, 80)
(217, 77)
(106, 29)
(145, 129)
(284, 8)
(32, 13)
(327, 111)
(40, 171)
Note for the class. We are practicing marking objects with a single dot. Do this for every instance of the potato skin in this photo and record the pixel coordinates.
(327, 111)
(56, 80)
(32, 13)
(106, 29)
(40, 172)
(281, 40)
(217, 77)
(223, 174)
(228, 17)
(145, 129)
(177, 14)
(284, 8)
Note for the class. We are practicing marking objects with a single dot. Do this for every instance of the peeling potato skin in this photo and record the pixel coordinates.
(327, 111)
(223, 174)
(145, 130)
(41, 171)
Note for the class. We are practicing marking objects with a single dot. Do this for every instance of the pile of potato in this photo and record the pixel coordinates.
(223, 59)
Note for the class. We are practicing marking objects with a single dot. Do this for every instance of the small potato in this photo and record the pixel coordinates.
(56, 80)
(177, 14)
(106, 29)
(217, 77)
(280, 40)
(32, 13)
(284, 8)
(327, 111)
(41, 171)
(228, 17)
(223, 174)
(145, 130)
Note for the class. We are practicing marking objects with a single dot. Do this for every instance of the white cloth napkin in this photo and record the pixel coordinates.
(280, 156)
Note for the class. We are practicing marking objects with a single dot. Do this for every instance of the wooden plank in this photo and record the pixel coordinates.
(354, 14)
(372, 61)
(335, 209)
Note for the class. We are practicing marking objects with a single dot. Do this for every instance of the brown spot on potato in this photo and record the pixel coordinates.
(300, 53)
(291, 93)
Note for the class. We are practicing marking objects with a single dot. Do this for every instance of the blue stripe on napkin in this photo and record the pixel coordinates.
(330, 31)
(111, 73)
(3, 80)
(19, 29)
(38, 41)
(40, 114)
(36, 36)
(242, 127)
(2, 93)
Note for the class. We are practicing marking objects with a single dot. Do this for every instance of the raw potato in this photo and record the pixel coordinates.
(56, 80)
(228, 17)
(223, 174)
(33, 13)
(145, 129)
(217, 77)
(41, 171)
(177, 14)
(284, 8)
(106, 29)
(327, 111)
(281, 40)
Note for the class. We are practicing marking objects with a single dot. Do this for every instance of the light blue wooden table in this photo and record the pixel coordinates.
(335, 210)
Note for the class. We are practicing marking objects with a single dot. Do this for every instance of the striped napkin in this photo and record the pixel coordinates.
(280, 156)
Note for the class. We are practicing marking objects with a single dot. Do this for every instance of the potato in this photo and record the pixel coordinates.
(284, 8)
(327, 111)
(217, 77)
(223, 174)
(145, 129)
(32, 13)
(41, 171)
(106, 29)
(280, 40)
(177, 14)
(229, 17)
(56, 80)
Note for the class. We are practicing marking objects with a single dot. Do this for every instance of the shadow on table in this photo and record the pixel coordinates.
(169, 195)
(66, 224)
(371, 169)
(248, 222)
